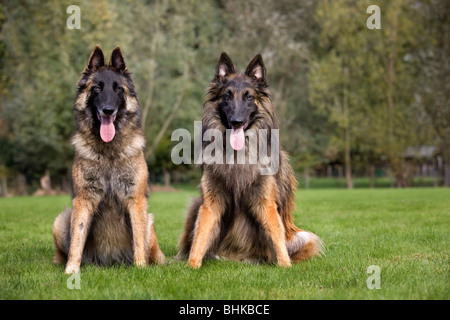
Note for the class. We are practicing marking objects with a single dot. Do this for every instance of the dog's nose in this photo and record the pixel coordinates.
(108, 110)
(237, 122)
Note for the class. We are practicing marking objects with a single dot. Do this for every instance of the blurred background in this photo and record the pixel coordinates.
(356, 107)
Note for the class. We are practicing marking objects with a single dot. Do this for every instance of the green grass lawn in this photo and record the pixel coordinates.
(403, 232)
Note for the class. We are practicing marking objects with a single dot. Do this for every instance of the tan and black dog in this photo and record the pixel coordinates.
(109, 223)
(242, 214)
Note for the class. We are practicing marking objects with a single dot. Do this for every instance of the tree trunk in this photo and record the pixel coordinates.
(348, 164)
(447, 174)
(347, 157)
(46, 182)
(391, 153)
(435, 175)
(306, 178)
(372, 176)
(176, 176)
(22, 184)
(4, 192)
(166, 174)
(401, 174)
(340, 175)
(400, 180)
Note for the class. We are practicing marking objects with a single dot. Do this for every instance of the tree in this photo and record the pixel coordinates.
(337, 73)
(396, 120)
(434, 68)
(363, 78)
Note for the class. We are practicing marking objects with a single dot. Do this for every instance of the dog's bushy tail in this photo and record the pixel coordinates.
(186, 239)
(61, 236)
(304, 245)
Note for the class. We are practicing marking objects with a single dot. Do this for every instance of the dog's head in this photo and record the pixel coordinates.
(239, 95)
(106, 88)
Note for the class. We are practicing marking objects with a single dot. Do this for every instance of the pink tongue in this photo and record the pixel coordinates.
(237, 139)
(107, 130)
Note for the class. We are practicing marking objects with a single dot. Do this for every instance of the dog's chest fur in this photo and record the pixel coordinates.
(110, 179)
(109, 171)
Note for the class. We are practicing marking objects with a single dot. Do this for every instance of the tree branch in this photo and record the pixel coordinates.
(169, 119)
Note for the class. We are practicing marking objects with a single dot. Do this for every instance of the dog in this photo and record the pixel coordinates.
(109, 223)
(242, 214)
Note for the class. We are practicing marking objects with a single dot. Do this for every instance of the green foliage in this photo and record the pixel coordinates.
(338, 87)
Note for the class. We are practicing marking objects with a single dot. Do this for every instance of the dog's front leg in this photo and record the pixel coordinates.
(79, 228)
(138, 217)
(267, 214)
(272, 225)
(204, 235)
(207, 227)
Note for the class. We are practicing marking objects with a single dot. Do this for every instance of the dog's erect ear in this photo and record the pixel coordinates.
(96, 61)
(117, 61)
(224, 67)
(256, 70)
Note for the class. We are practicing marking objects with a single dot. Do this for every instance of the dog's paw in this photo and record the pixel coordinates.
(284, 262)
(161, 260)
(72, 268)
(140, 263)
(194, 263)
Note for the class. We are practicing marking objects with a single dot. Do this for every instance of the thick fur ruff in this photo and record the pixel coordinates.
(242, 214)
(109, 223)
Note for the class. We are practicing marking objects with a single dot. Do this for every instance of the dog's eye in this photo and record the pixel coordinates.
(249, 97)
(117, 87)
(98, 86)
(226, 96)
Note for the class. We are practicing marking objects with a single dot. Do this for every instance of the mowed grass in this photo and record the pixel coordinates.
(403, 232)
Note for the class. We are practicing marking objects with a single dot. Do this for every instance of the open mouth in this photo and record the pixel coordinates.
(107, 129)
(237, 136)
